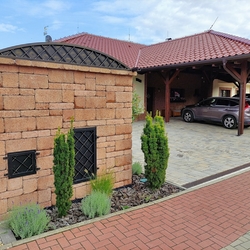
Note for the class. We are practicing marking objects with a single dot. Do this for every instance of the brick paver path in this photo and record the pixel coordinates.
(210, 217)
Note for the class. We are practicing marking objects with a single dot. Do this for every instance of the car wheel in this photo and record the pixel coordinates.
(229, 122)
(188, 116)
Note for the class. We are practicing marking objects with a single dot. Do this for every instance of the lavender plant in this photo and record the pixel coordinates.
(28, 220)
(96, 204)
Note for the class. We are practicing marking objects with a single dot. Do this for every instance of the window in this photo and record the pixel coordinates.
(208, 102)
(85, 154)
(177, 95)
(225, 92)
(234, 103)
(21, 163)
(222, 102)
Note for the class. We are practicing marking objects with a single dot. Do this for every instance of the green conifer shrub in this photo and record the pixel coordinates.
(156, 152)
(64, 163)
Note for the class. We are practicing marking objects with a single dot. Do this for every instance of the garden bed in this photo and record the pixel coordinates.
(136, 194)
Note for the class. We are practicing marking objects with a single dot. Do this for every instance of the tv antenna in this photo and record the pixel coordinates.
(48, 38)
(45, 30)
(213, 23)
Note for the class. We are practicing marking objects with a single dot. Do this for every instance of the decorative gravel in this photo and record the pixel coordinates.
(136, 194)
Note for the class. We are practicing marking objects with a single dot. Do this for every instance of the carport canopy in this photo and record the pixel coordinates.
(213, 54)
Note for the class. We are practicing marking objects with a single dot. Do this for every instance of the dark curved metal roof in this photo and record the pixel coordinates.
(63, 53)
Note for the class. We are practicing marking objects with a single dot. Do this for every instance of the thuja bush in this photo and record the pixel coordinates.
(28, 220)
(103, 183)
(96, 204)
(156, 152)
(64, 163)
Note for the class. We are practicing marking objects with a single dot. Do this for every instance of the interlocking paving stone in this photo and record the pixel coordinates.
(214, 215)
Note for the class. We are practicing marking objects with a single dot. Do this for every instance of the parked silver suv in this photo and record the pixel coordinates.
(224, 110)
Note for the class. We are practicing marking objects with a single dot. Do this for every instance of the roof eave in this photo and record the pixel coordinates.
(190, 64)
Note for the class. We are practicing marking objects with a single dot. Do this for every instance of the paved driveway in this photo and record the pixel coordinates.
(198, 150)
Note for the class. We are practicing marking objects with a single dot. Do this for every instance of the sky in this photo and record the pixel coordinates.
(140, 21)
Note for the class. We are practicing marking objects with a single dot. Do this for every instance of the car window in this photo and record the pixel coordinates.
(233, 103)
(208, 102)
(222, 102)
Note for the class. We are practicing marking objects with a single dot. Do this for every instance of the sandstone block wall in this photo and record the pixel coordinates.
(37, 98)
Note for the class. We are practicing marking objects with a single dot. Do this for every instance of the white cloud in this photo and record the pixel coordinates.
(155, 20)
(38, 9)
(7, 27)
(56, 5)
(144, 21)
(113, 19)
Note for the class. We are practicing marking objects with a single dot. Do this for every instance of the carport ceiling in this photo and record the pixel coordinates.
(214, 72)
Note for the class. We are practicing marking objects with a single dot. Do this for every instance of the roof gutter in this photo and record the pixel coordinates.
(194, 63)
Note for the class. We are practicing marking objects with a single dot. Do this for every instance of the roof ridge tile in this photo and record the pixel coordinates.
(232, 37)
(97, 36)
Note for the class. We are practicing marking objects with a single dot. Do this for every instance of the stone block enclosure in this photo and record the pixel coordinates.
(38, 97)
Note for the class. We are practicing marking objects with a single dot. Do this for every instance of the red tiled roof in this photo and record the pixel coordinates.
(204, 46)
(199, 47)
(124, 51)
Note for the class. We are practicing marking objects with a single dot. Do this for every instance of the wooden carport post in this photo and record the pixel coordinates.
(168, 81)
(242, 79)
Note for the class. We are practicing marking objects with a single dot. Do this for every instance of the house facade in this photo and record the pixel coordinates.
(91, 79)
(181, 71)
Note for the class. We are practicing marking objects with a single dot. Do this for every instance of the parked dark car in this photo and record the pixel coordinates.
(238, 95)
(223, 110)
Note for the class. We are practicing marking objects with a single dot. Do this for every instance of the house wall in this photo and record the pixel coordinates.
(139, 88)
(194, 89)
(37, 98)
(218, 85)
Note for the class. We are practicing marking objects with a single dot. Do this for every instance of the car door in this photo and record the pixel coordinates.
(203, 111)
(218, 110)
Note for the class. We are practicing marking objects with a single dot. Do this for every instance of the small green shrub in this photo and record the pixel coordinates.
(136, 106)
(136, 168)
(103, 183)
(96, 204)
(28, 220)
